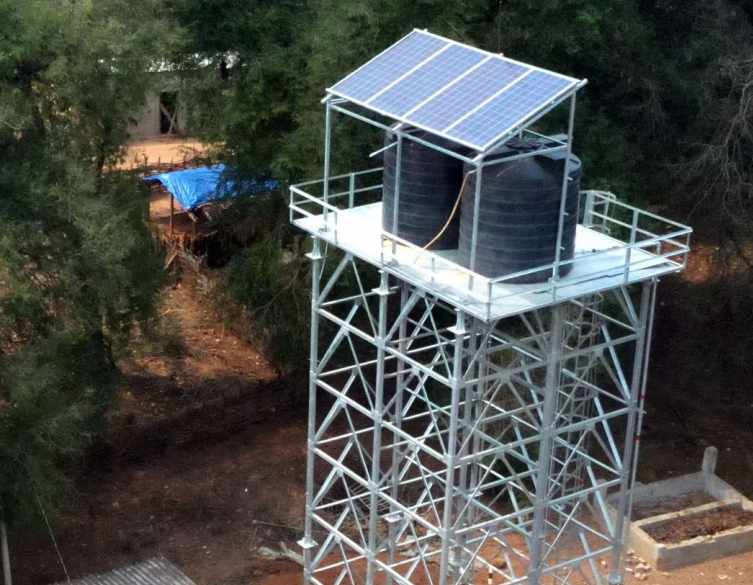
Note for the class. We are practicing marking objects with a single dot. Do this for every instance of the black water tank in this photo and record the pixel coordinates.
(430, 184)
(519, 213)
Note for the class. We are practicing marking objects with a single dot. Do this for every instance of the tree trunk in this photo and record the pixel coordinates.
(6, 554)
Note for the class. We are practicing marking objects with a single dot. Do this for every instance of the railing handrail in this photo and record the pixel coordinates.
(482, 288)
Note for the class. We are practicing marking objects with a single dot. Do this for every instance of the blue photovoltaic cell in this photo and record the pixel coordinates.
(510, 108)
(428, 79)
(470, 96)
(466, 94)
(389, 66)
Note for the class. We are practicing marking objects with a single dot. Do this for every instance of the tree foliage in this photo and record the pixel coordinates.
(665, 120)
(77, 264)
(656, 95)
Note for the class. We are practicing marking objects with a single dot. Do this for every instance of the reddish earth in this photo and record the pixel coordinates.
(706, 523)
(161, 150)
(205, 507)
(210, 503)
(670, 504)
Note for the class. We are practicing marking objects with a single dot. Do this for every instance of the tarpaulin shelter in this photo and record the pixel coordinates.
(197, 187)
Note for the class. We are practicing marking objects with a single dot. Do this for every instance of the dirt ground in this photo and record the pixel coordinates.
(700, 524)
(204, 507)
(161, 150)
(206, 360)
(208, 505)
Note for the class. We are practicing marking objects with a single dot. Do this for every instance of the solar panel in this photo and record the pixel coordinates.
(424, 82)
(387, 67)
(462, 93)
(499, 115)
(467, 94)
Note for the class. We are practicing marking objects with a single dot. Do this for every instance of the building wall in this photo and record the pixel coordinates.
(148, 122)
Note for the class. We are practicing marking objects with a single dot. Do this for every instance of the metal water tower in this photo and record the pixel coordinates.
(464, 427)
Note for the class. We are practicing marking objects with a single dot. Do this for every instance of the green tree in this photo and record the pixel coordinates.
(77, 264)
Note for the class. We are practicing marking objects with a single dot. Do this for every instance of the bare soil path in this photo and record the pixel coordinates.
(161, 150)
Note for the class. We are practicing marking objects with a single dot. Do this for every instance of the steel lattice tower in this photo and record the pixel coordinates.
(463, 429)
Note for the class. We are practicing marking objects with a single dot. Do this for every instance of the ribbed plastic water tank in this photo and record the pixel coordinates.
(430, 184)
(519, 212)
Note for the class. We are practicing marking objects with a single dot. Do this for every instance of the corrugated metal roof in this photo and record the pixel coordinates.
(158, 571)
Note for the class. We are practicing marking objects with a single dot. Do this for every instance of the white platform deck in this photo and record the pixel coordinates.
(358, 231)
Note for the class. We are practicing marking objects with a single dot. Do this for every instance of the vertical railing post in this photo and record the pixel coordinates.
(351, 190)
(588, 211)
(629, 253)
(291, 214)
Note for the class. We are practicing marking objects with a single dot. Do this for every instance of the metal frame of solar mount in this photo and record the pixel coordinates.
(468, 89)
(472, 428)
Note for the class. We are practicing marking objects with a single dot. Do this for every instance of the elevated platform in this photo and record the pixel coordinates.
(616, 245)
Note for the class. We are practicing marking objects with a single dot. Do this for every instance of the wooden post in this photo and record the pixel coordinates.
(172, 212)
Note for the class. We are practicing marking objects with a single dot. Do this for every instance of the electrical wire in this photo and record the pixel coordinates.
(49, 528)
(448, 222)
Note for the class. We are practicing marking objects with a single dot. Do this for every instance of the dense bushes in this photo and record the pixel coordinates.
(269, 288)
(78, 267)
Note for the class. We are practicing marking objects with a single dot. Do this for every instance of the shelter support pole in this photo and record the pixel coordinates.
(632, 433)
(172, 212)
(308, 542)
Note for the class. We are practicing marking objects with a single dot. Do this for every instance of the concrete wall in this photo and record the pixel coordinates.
(148, 122)
(147, 125)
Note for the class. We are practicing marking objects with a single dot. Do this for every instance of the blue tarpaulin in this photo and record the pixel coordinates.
(196, 187)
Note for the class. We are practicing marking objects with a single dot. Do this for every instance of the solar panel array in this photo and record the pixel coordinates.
(470, 96)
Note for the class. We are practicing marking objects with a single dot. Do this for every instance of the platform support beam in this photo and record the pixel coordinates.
(454, 447)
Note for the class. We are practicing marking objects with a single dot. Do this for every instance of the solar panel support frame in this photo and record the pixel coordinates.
(532, 121)
(327, 155)
(396, 195)
(402, 71)
(479, 161)
(563, 195)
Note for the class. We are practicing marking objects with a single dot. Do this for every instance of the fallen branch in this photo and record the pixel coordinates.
(284, 554)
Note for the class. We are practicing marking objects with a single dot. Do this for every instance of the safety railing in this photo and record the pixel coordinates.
(644, 239)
